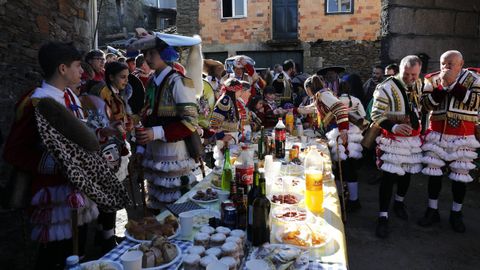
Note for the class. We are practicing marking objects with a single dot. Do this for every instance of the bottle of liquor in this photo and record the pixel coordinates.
(244, 169)
(261, 214)
(242, 212)
(280, 138)
(261, 144)
(252, 194)
(227, 173)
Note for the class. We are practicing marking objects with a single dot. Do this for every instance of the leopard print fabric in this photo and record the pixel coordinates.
(86, 171)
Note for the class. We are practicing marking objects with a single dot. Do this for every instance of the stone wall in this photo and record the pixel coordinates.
(430, 27)
(356, 56)
(24, 27)
(110, 22)
(188, 16)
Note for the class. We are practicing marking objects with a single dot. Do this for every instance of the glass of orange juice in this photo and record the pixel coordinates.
(314, 191)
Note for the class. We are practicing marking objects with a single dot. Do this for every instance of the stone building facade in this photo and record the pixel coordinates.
(350, 40)
(24, 27)
(431, 27)
(376, 32)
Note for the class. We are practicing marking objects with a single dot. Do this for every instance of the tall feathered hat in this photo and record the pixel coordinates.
(166, 43)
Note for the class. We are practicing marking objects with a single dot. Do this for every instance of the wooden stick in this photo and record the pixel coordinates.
(74, 213)
(339, 160)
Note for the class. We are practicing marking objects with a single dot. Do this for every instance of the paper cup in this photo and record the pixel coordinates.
(186, 224)
(132, 260)
(216, 266)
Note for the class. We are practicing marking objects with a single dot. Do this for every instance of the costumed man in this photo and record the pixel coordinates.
(340, 133)
(229, 117)
(50, 144)
(396, 109)
(332, 77)
(214, 70)
(243, 70)
(282, 82)
(169, 117)
(355, 109)
(452, 95)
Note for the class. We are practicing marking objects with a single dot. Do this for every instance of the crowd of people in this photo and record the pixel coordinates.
(147, 110)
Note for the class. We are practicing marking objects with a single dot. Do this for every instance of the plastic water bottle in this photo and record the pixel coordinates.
(73, 263)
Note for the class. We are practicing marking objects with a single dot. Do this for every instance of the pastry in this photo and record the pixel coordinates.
(214, 251)
(207, 260)
(217, 239)
(199, 250)
(191, 262)
(201, 239)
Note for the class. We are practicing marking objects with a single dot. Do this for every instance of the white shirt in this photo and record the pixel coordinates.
(159, 78)
(50, 91)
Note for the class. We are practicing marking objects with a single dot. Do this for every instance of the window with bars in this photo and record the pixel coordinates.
(338, 7)
(234, 8)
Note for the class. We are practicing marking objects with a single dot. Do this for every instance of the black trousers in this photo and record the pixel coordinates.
(52, 255)
(435, 186)
(349, 170)
(386, 188)
(107, 220)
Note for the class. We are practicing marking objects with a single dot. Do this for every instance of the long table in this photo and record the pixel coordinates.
(331, 256)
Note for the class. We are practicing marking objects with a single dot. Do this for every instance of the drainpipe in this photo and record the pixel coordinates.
(93, 23)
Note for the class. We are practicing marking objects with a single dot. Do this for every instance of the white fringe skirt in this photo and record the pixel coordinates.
(458, 151)
(399, 155)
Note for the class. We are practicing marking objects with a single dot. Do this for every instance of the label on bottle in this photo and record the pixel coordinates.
(314, 181)
(280, 134)
(244, 176)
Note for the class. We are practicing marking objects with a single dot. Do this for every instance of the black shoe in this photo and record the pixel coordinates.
(456, 221)
(431, 216)
(399, 209)
(353, 206)
(382, 227)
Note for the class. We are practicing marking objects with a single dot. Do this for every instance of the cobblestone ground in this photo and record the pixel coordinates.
(410, 246)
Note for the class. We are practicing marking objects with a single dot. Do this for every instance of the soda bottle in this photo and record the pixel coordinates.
(244, 169)
(280, 137)
(227, 173)
(289, 121)
(299, 127)
(72, 263)
(314, 181)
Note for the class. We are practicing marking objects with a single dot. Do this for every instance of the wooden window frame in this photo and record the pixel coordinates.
(352, 7)
(233, 10)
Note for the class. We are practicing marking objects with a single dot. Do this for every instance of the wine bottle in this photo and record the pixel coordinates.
(261, 214)
(227, 172)
(241, 204)
(252, 194)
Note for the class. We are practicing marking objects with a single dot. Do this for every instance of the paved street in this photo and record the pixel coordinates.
(410, 246)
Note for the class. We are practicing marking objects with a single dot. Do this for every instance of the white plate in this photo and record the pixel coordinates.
(115, 265)
(280, 231)
(297, 196)
(131, 238)
(201, 201)
(305, 255)
(163, 266)
(198, 212)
